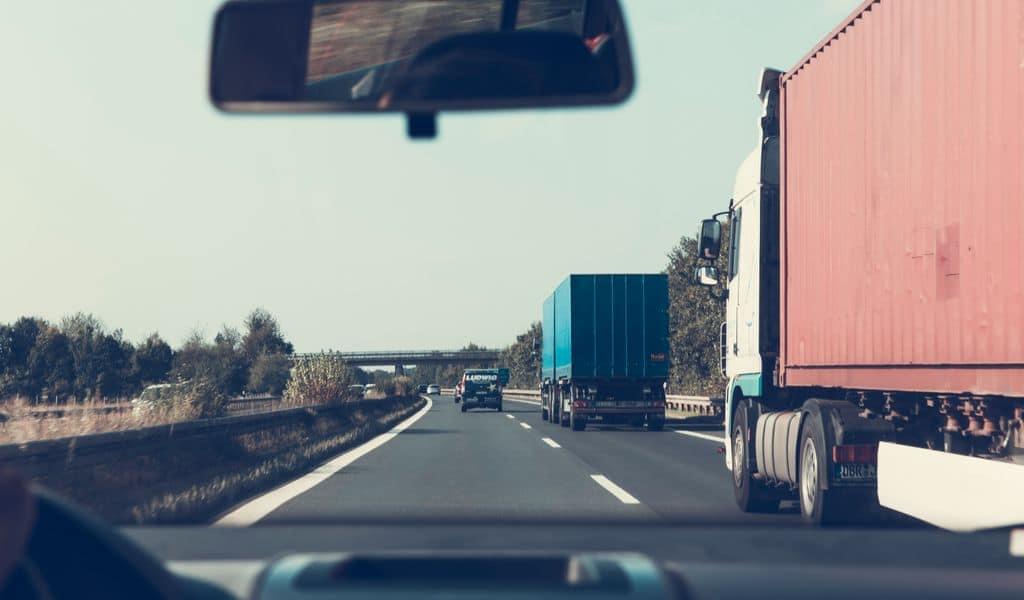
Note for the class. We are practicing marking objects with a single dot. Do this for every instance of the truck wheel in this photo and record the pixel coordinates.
(463, 407)
(544, 412)
(563, 419)
(499, 407)
(818, 506)
(577, 423)
(655, 424)
(750, 495)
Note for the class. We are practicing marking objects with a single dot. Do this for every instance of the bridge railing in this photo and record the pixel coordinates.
(407, 356)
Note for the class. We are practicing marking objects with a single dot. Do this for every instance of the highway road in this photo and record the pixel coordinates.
(512, 465)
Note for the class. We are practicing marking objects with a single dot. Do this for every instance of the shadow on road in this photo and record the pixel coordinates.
(425, 431)
(694, 426)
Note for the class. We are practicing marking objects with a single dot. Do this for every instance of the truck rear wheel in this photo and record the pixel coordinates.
(577, 423)
(820, 506)
(750, 495)
(463, 407)
(655, 424)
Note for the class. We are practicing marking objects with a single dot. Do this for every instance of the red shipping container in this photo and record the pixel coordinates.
(903, 201)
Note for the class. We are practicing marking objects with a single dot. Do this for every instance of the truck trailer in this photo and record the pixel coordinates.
(874, 335)
(605, 352)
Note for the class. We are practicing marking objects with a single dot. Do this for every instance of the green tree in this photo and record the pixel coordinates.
(695, 316)
(269, 374)
(152, 361)
(221, 362)
(263, 336)
(522, 361)
(16, 343)
(51, 366)
(102, 360)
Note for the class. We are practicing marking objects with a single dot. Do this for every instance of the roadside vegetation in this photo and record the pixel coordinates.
(695, 318)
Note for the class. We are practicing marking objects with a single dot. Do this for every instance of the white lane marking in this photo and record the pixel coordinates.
(525, 425)
(533, 402)
(623, 496)
(551, 442)
(703, 436)
(261, 506)
(511, 416)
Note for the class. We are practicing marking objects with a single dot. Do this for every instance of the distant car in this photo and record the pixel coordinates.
(356, 390)
(422, 389)
(157, 397)
(369, 388)
(433, 389)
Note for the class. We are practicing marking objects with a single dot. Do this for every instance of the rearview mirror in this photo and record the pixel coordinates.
(418, 56)
(709, 239)
(706, 275)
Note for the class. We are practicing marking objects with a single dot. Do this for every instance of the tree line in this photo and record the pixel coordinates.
(79, 358)
(695, 318)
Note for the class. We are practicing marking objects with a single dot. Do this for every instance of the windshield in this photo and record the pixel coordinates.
(182, 274)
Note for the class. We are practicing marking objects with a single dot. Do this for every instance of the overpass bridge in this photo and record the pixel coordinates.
(401, 359)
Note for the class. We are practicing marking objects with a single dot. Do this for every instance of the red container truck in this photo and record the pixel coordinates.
(874, 331)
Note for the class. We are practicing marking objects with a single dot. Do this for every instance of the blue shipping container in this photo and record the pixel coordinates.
(606, 327)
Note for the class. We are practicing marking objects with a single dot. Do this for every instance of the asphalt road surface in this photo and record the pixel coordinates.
(514, 465)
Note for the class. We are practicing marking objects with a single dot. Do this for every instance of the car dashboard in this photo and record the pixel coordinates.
(573, 561)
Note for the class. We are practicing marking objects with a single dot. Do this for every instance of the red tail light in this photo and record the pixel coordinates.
(579, 404)
(859, 453)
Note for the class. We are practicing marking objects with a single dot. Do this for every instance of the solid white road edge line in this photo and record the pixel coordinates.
(261, 506)
(525, 425)
(703, 436)
(511, 416)
(533, 402)
(551, 442)
(623, 496)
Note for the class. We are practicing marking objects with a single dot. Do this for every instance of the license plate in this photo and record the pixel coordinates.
(855, 472)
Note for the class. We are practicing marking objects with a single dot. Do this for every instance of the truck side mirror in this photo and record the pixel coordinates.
(706, 275)
(709, 239)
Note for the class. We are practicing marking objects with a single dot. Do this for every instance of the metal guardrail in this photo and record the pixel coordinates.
(119, 440)
(676, 406)
(238, 405)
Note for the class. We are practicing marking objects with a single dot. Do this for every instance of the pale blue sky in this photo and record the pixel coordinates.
(123, 193)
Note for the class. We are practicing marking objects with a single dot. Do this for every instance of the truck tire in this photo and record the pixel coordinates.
(655, 424)
(544, 412)
(463, 407)
(563, 419)
(750, 494)
(499, 407)
(577, 423)
(820, 506)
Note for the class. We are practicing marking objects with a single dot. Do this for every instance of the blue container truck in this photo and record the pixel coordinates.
(605, 352)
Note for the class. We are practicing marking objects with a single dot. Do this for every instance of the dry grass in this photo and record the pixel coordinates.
(25, 423)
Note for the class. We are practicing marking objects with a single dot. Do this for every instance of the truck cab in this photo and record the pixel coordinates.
(750, 339)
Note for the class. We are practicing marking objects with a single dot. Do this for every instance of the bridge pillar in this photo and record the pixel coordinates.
(399, 370)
